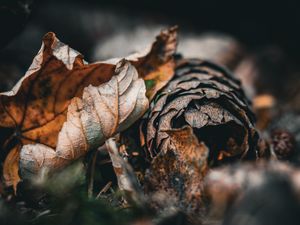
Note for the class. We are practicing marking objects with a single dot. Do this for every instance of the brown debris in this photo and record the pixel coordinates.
(174, 178)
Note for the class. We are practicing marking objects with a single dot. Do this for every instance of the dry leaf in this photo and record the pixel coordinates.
(101, 112)
(158, 66)
(64, 104)
(175, 176)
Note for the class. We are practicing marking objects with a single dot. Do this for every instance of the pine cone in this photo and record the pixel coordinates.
(283, 143)
(206, 97)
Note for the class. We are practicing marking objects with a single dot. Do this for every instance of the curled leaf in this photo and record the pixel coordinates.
(101, 112)
(158, 66)
(64, 107)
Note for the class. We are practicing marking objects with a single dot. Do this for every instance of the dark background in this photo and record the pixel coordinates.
(253, 22)
(259, 26)
(268, 30)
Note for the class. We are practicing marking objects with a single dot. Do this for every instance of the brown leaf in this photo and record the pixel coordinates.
(264, 107)
(11, 167)
(101, 112)
(158, 66)
(177, 174)
(64, 107)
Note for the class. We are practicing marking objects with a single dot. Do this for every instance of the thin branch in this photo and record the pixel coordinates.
(91, 183)
(104, 189)
(126, 177)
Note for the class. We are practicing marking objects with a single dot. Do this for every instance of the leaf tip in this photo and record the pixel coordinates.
(49, 39)
(167, 40)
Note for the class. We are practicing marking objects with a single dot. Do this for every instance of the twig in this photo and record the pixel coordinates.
(127, 180)
(104, 189)
(91, 183)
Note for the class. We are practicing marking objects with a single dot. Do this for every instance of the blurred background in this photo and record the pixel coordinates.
(257, 40)
(102, 29)
(254, 22)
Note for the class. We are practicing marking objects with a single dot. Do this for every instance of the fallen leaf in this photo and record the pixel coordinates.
(158, 66)
(176, 176)
(63, 106)
(101, 112)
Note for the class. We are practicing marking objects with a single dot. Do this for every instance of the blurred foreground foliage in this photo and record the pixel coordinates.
(62, 199)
